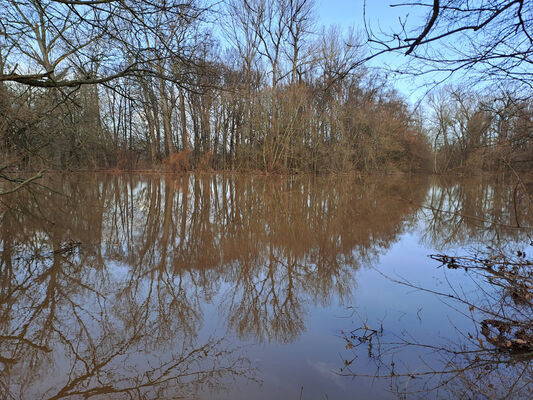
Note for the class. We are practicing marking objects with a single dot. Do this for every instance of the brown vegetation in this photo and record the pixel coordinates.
(177, 162)
(472, 132)
(282, 97)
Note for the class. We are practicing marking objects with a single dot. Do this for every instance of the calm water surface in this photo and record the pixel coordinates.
(249, 287)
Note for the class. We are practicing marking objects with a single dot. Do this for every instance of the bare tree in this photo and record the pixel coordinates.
(52, 42)
(490, 39)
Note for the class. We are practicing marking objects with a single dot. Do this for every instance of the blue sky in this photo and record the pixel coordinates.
(350, 12)
(340, 12)
(379, 15)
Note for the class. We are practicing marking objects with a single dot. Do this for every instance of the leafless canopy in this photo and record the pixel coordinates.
(67, 43)
(491, 38)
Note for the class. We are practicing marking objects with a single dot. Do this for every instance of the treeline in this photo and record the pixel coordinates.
(265, 92)
(480, 132)
(249, 85)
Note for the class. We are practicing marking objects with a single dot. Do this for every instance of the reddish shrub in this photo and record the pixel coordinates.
(178, 162)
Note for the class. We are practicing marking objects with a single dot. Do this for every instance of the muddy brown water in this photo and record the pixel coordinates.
(250, 287)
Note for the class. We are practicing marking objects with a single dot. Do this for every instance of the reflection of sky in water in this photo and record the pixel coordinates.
(360, 232)
(313, 361)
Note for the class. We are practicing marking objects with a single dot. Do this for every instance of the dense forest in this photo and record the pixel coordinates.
(241, 85)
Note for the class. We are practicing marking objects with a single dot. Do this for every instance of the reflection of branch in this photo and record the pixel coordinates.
(180, 370)
(98, 336)
(24, 183)
(520, 184)
(472, 217)
(23, 340)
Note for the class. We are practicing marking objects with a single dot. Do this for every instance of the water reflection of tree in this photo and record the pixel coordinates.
(471, 212)
(70, 327)
(277, 243)
(493, 358)
(122, 264)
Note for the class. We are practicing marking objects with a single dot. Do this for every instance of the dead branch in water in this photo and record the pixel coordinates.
(494, 360)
